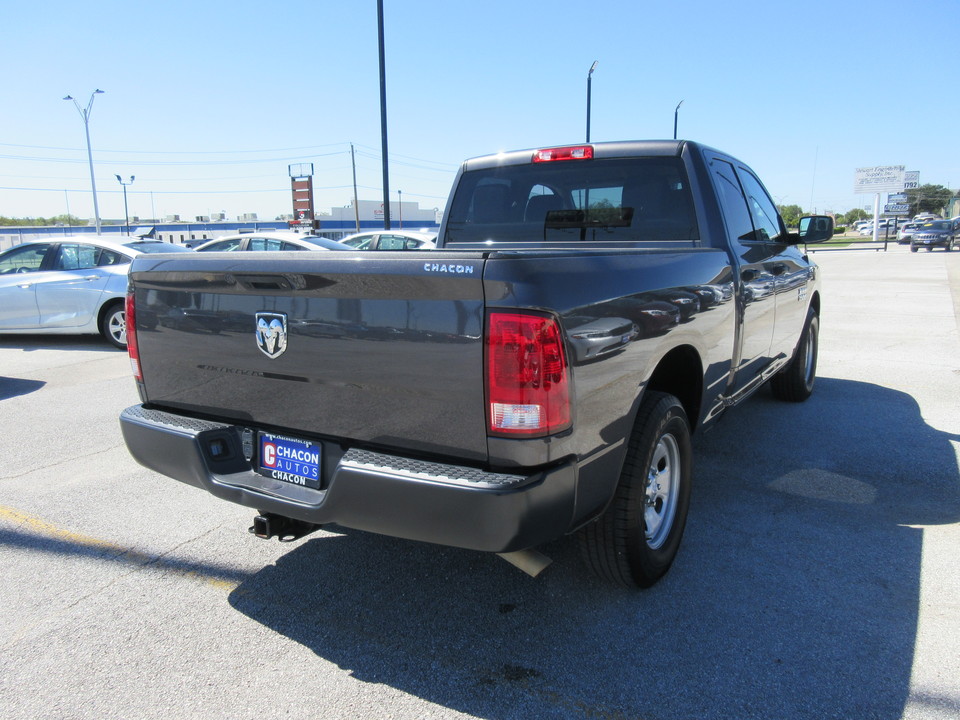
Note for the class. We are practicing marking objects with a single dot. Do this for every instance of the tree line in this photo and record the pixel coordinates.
(56, 220)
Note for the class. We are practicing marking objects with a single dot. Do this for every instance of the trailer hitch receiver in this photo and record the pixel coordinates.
(268, 525)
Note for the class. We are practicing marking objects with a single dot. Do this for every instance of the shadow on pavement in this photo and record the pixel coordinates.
(13, 387)
(32, 343)
(796, 592)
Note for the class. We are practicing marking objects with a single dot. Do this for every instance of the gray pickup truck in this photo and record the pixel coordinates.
(587, 311)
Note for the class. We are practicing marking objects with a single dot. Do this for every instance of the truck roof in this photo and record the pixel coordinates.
(627, 148)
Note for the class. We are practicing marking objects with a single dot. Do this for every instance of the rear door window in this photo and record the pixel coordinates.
(260, 244)
(76, 257)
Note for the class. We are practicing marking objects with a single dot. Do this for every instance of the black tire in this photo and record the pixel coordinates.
(795, 382)
(636, 540)
(913, 248)
(113, 324)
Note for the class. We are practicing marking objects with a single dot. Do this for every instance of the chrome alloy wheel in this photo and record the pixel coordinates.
(663, 487)
(117, 326)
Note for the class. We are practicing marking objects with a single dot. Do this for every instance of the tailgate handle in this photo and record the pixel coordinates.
(264, 282)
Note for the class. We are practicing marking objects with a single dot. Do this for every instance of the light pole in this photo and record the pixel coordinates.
(676, 113)
(383, 118)
(126, 215)
(589, 79)
(85, 114)
(400, 207)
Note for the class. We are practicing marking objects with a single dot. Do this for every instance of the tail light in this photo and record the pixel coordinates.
(528, 383)
(133, 350)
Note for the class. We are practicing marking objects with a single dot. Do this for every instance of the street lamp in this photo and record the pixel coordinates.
(126, 215)
(85, 114)
(400, 206)
(589, 78)
(383, 118)
(676, 112)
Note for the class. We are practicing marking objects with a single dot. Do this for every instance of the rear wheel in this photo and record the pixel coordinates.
(636, 540)
(795, 382)
(113, 325)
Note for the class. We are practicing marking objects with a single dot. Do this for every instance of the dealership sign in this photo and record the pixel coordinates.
(884, 178)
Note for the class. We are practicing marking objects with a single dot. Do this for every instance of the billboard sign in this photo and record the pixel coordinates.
(911, 180)
(880, 179)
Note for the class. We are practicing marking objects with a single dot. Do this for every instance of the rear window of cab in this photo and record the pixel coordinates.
(631, 200)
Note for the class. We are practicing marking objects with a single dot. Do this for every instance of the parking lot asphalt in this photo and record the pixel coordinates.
(818, 577)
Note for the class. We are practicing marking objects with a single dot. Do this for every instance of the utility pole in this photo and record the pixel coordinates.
(356, 204)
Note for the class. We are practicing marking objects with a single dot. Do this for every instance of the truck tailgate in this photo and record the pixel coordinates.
(379, 348)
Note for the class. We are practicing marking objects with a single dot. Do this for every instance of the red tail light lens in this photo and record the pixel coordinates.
(528, 384)
(576, 152)
(133, 350)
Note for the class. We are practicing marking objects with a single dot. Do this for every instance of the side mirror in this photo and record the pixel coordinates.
(815, 229)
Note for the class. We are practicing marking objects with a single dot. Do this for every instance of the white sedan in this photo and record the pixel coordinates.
(70, 285)
(392, 240)
(269, 241)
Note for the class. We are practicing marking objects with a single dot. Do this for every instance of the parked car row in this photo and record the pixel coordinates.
(77, 284)
(905, 229)
(286, 241)
(270, 242)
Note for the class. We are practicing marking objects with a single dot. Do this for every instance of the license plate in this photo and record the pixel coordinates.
(289, 459)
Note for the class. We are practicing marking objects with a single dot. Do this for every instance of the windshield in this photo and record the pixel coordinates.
(939, 225)
(621, 200)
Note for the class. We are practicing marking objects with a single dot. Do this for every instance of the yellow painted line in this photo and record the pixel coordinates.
(43, 527)
(125, 555)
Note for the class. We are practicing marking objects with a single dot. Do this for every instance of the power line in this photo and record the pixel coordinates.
(175, 152)
(187, 163)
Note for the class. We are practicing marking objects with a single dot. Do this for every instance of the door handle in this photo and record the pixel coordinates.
(749, 275)
(778, 268)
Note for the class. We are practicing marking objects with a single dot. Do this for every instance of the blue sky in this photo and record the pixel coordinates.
(208, 102)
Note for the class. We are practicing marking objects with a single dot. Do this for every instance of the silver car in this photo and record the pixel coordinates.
(392, 240)
(70, 285)
(906, 232)
(269, 241)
